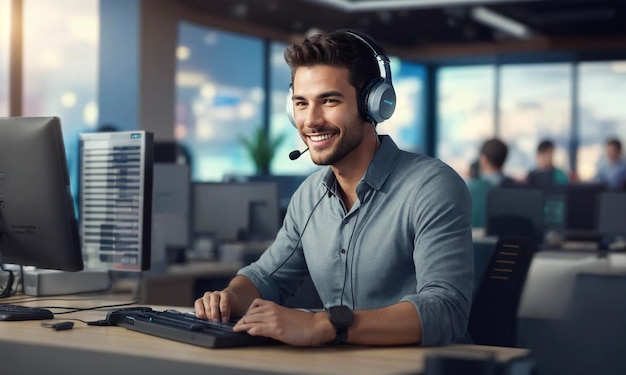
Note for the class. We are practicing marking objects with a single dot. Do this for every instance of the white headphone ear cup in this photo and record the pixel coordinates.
(289, 107)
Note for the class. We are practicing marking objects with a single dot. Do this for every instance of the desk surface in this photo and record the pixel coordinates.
(27, 347)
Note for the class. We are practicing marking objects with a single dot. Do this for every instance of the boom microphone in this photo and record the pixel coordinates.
(293, 155)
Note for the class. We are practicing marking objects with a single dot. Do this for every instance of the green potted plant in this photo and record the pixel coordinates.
(262, 148)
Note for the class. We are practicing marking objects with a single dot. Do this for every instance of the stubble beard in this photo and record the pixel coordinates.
(351, 138)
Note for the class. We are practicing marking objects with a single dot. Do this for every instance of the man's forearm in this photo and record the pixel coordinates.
(245, 292)
(394, 325)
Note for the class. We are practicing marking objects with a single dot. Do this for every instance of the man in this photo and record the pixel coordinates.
(384, 234)
(546, 174)
(492, 156)
(612, 172)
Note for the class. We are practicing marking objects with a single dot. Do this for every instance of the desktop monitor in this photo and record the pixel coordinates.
(612, 215)
(541, 178)
(572, 210)
(582, 206)
(171, 206)
(515, 212)
(37, 220)
(287, 185)
(115, 184)
(555, 208)
(236, 211)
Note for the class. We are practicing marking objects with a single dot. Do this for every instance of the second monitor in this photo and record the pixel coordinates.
(236, 211)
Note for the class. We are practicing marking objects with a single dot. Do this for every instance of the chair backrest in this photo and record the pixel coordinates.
(589, 339)
(494, 310)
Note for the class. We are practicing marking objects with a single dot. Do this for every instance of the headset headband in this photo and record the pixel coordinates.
(381, 58)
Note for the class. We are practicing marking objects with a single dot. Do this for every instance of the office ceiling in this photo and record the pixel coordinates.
(439, 27)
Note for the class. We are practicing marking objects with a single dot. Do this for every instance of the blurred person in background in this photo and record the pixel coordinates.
(612, 170)
(493, 154)
(546, 174)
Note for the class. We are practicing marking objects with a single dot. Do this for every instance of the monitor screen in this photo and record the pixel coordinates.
(116, 177)
(287, 185)
(555, 208)
(236, 211)
(515, 212)
(37, 219)
(612, 214)
(171, 203)
(582, 206)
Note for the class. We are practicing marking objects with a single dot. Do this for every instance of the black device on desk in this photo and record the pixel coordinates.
(10, 312)
(184, 327)
(38, 225)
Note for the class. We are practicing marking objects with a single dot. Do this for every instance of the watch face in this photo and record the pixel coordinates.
(341, 316)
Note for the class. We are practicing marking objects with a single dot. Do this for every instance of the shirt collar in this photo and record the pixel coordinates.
(385, 159)
(493, 178)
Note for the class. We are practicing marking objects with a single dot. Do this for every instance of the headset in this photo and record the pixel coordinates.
(377, 98)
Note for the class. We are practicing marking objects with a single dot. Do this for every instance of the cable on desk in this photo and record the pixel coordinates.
(8, 287)
(7, 290)
(77, 309)
(101, 323)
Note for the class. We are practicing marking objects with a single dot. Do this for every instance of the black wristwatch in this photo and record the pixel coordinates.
(342, 318)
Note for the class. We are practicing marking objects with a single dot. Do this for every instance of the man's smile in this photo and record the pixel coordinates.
(321, 137)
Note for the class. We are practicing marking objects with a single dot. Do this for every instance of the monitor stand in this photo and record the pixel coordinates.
(41, 282)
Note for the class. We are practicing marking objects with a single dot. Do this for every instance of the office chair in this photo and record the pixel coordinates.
(494, 310)
(589, 337)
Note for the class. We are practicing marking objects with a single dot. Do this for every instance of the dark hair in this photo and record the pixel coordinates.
(338, 49)
(544, 146)
(615, 143)
(495, 151)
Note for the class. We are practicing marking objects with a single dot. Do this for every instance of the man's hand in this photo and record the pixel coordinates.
(294, 327)
(215, 306)
(234, 300)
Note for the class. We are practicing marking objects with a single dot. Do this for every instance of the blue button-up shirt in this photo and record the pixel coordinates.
(612, 175)
(407, 238)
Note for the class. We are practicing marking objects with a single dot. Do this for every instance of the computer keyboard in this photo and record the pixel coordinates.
(10, 312)
(184, 327)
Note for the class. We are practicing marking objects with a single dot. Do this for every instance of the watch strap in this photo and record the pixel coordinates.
(341, 337)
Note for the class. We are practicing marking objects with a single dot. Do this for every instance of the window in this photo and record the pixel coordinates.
(5, 47)
(60, 67)
(535, 104)
(465, 97)
(219, 98)
(407, 126)
(601, 112)
(280, 79)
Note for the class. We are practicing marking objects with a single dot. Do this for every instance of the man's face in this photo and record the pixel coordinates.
(612, 153)
(326, 113)
(544, 159)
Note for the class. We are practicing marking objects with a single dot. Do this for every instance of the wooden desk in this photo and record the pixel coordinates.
(28, 348)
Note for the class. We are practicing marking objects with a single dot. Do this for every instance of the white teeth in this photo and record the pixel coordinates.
(317, 138)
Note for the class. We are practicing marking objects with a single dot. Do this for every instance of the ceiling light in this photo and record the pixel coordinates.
(373, 5)
(500, 22)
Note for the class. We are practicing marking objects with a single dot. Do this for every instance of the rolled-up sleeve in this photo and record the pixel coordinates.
(443, 258)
